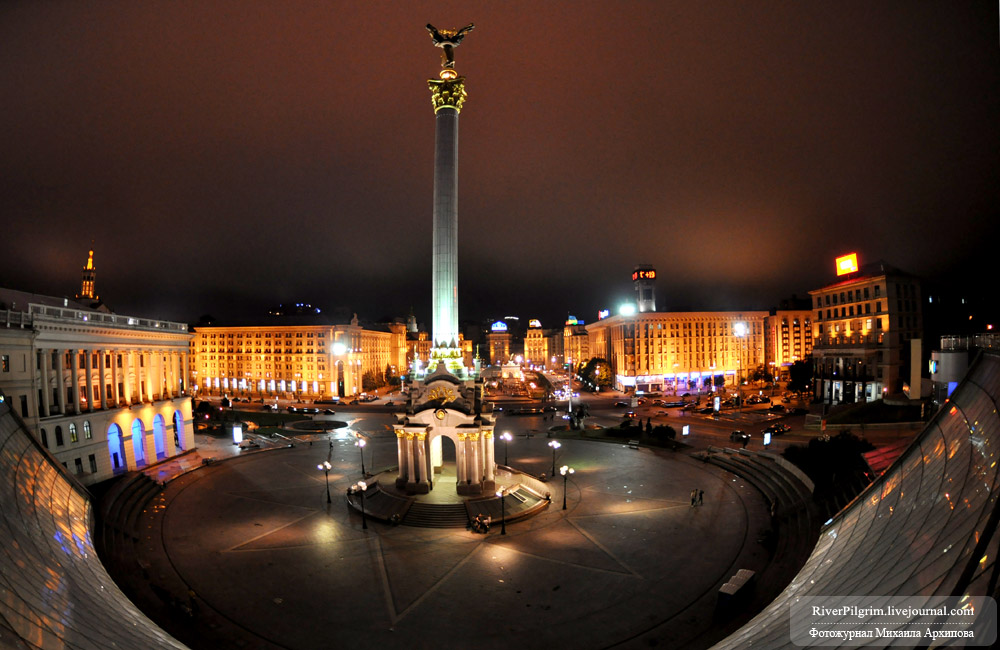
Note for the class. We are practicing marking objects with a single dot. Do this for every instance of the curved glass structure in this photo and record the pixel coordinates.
(926, 527)
(54, 591)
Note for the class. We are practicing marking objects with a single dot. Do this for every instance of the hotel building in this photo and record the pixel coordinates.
(296, 357)
(862, 328)
(787, 338)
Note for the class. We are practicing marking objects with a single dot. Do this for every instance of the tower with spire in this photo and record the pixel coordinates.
(87, 289)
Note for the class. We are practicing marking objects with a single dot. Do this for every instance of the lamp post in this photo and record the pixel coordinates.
(502, 493)
(361, 447)
(565, 470)
(740, 331)
(325, 466)
(361, 486)
(506, 437)
(555, 445)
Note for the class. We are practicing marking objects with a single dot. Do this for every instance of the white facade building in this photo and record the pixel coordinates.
(104, 393)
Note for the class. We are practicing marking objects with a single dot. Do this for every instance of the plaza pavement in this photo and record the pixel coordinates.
(264, 562)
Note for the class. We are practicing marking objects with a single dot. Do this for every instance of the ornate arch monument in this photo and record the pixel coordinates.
(447, 402)
(442, 405)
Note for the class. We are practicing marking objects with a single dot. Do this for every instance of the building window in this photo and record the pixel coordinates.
(5, 363)
(59, 437)
(86, 430)
(72, 433)
(93, 463)
(45, 439)
(78, 463)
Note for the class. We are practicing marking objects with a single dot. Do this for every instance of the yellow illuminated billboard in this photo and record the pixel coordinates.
(847, 264)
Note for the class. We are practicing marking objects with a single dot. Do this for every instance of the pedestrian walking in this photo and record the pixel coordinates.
(701, 497)
(694, 497)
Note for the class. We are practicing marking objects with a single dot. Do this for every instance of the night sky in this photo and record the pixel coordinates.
(225, 157)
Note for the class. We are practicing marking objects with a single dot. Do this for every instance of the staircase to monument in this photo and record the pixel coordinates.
(436, 515)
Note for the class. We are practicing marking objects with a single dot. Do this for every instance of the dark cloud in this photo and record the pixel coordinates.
(226, 156)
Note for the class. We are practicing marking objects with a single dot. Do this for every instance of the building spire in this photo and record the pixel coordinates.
(87, 289)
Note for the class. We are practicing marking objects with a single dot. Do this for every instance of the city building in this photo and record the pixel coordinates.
(862, 329)
(788, 336)
(655, 351)
(643, 279)
(102, 392)
(576, 342)
(499, 342)
(302, 356)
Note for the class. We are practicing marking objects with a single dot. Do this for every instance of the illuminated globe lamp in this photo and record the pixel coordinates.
(565, 470)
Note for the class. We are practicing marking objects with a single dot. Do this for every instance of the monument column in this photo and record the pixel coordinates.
(447, 96)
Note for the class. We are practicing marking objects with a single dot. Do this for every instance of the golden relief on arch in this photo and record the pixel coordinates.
(443, 394)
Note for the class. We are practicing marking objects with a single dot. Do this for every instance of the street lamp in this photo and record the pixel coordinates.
(361, 486)
(361, 447)
(325, 466)
(506, 437)
(502, 493)
(740, 331)
(565, 470)
(555, 445)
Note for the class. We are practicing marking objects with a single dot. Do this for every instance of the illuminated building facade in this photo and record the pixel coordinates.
(499, 341)
(104, 393)
(862, 328)
(657, 351)
(576, 342)
(295, 360)
(787, 339)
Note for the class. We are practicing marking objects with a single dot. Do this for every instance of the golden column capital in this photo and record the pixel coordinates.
(447, 93)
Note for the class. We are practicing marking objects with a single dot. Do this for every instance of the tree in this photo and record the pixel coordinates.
(372, 380)
(597, 372)
(800, 375)
(391, 378)
(760, 373)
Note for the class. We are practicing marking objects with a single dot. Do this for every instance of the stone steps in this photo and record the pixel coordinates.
(436, 515)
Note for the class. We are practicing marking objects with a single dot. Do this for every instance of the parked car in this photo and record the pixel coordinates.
(777, 429)
(777, 408)
(798, 410)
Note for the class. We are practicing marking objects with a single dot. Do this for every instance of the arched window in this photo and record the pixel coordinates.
(72, 433)
(87, 434)
(178, 430)
(45, 439)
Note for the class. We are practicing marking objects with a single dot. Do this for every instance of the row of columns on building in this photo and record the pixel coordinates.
(148, 365)
(474, 459)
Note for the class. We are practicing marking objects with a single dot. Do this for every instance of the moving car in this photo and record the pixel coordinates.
(739, 436)
(777, 429)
